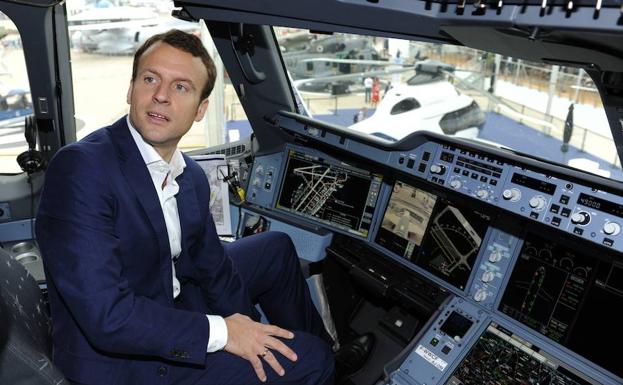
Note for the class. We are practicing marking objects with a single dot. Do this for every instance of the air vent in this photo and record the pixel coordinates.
(230, 151)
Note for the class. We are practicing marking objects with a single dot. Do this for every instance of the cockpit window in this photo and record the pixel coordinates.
(404, 105)
(102, 68)
(391, 88)
(15, 99)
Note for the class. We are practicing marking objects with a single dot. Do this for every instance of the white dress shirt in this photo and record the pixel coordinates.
(163, 176)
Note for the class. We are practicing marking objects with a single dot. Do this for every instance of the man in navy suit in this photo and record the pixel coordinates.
(141, 290)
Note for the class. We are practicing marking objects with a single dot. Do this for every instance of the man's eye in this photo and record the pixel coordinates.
(149, 79)
(181, 87)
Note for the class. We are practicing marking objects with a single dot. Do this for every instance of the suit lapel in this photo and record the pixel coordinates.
(136, 174)
(187, 205)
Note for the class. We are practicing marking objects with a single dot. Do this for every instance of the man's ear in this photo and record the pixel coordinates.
(201, 110)
(128, 97)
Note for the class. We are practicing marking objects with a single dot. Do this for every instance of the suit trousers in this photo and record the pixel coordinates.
(269, 266)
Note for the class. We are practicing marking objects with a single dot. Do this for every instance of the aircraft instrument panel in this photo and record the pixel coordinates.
(529, 252)
(499, 357)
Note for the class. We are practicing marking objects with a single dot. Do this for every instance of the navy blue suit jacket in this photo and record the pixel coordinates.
(105, 247)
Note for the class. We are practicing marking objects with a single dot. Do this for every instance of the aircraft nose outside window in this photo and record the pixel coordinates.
(404, 105)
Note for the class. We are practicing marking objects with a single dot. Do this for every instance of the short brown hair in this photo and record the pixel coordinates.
(186, 42)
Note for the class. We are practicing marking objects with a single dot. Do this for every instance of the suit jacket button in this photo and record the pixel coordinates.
(162, 371)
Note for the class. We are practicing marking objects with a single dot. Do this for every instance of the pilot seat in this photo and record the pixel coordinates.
(25, 329)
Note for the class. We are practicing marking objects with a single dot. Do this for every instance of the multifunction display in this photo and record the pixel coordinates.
(567, 296)
(435, 235)
(501, 358)
(455, 237)
(335, 194)
(406, 219)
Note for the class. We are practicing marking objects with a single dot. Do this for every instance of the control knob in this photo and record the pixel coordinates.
(612, 228)
(487, 276)
(456, 184)
(482, 193)
(437, 169)
(512, 194)
(537, 202)
(581, 218)
(480, 295)
(495, 256)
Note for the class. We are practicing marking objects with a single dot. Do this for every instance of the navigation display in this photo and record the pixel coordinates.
(568, 296)
(406, 219)
(455, 237)
(501, 358)
(337, 195)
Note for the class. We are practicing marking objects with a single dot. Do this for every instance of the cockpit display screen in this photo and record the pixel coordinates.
(501, 358)
(568, 296)
(406, 219)
(335, 194)
(451, 248)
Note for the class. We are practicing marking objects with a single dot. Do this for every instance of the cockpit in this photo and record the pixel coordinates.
(449, 171)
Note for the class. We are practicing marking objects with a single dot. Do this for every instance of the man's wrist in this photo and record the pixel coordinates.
(218, 333)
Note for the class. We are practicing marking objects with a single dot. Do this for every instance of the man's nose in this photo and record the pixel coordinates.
(161, 94)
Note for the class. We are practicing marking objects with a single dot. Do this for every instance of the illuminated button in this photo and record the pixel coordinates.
(487, 276)
(554, 209)
(434, 341)
(410, 163)
(565, 212)
(564, 199)
(578, 231)
(446, 349)
(581, 218)
(612, 228)
(556, 221)
(608, 242)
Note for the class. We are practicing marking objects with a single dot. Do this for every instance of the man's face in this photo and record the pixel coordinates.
(165, 96)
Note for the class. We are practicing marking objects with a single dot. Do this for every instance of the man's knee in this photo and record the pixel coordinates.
(282, 242)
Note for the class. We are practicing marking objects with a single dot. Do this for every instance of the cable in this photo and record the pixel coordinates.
(239, 221)
(32, 208)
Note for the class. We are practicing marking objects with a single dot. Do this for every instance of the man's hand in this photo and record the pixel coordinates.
(253, 340)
